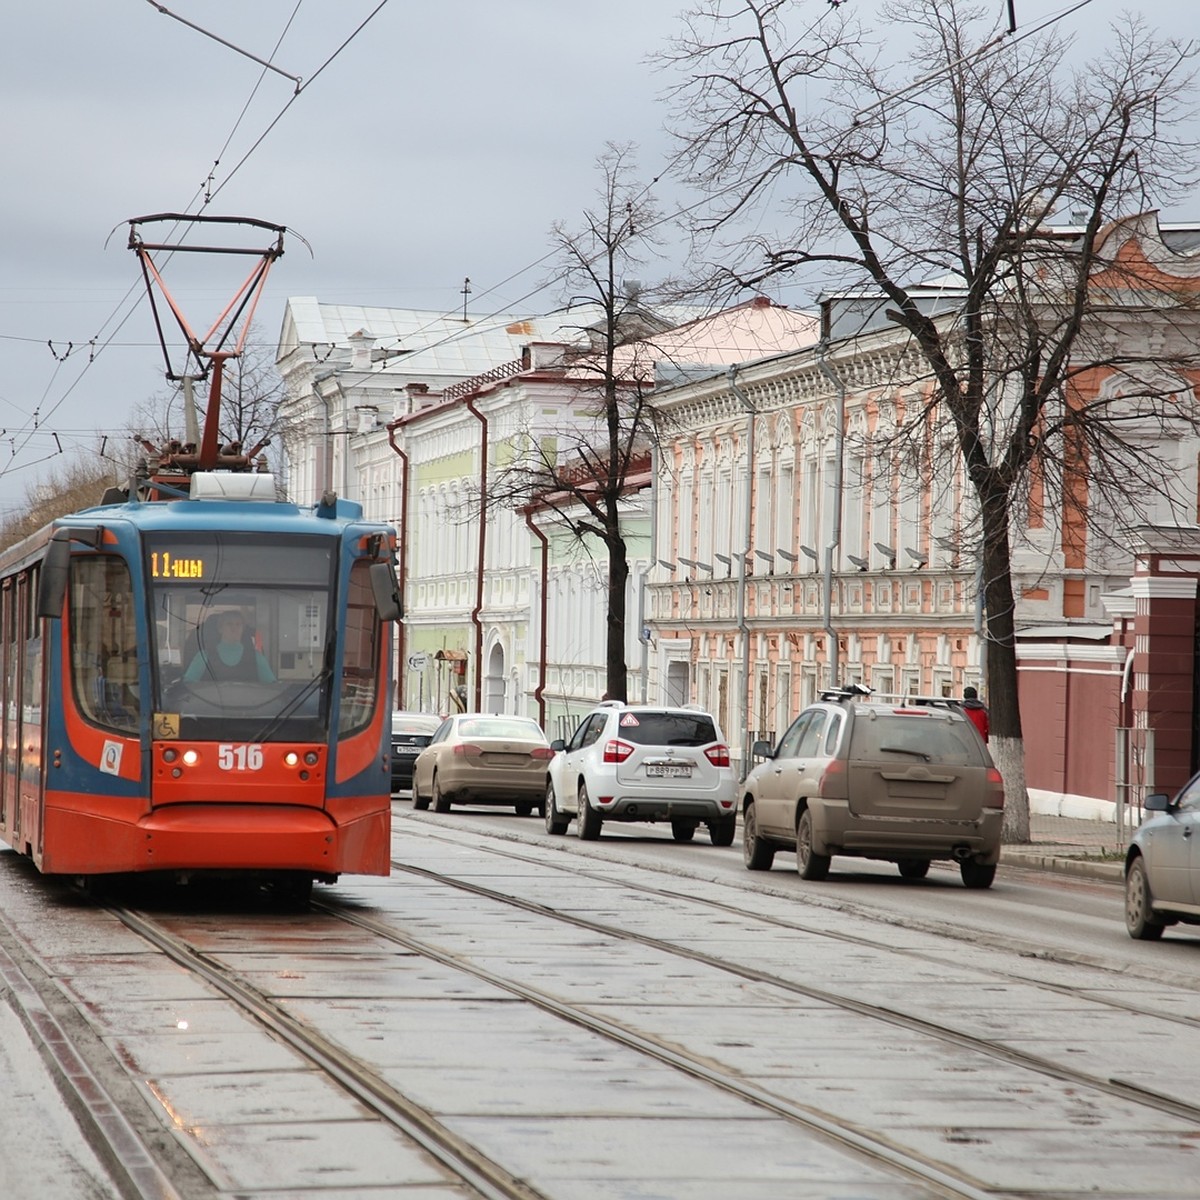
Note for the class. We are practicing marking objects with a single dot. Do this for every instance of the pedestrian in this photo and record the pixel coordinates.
(976, 711)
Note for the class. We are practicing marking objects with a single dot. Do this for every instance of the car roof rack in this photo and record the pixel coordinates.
(850, 691)
(950, 702)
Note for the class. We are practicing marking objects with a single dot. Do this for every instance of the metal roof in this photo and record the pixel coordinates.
(428, 344)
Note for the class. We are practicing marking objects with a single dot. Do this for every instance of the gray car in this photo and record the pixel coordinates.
(1162, 865)
(904, 781)
(411, 733)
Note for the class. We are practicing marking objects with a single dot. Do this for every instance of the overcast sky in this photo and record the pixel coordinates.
(442, 142)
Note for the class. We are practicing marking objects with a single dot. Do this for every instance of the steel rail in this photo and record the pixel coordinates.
(862, 1143)
(1117, 1088)
(133, 1168)
(487, 1178)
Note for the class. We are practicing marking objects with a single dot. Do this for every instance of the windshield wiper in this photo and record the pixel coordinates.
(307, 690)
(904, 750)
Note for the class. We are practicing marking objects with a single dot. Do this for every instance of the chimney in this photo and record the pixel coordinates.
(360, 350)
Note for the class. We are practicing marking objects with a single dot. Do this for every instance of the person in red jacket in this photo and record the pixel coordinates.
(976, 711)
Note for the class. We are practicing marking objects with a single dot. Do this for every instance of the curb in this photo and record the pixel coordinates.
(1111, 872)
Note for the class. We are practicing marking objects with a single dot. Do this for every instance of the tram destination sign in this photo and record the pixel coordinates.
(165, 565)
(258, 558)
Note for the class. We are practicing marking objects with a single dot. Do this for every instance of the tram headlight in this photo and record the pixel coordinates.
(291, 758)
(311, 758)
(190, 758)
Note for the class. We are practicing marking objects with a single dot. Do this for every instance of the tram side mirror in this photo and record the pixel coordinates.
(56, 567)
(386, 590)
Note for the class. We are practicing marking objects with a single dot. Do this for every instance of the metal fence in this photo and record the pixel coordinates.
(1134, 776)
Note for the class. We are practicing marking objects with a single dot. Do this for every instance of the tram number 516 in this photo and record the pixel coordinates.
(237, 756)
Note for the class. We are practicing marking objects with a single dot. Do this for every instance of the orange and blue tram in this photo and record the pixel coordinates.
(199, 686)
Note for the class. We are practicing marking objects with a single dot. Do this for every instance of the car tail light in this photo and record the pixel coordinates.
(833, 780)
(995, 790)
(616, 751)
(718, 755)
(468, 750)
(541, 752)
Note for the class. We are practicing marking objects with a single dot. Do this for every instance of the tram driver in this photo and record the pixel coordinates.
(233, 656)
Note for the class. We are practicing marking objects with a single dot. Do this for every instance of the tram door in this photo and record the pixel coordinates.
(8, 700)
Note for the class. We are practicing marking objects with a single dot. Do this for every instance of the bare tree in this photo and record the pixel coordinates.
(957, 171)
(77, 480)
(585, 472)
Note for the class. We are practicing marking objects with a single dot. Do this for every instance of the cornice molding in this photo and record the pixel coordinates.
(1160, 587)
(787, 383)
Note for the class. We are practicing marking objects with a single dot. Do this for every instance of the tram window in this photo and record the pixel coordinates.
(31, 685)
(104, 651)
(359, 655)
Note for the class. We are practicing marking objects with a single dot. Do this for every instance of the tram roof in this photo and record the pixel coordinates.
(232, 515)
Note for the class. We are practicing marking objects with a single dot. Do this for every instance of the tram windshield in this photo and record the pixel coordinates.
(242, 635)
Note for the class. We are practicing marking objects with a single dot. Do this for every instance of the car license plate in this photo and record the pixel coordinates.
(669, 770)
(405, 750)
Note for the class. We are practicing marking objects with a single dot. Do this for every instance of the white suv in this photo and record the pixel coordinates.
(629, 762)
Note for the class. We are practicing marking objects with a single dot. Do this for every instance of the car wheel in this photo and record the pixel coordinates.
(523, 807)
(556, 822)
(756, 854)
(721, 833)
(589, 820)
(441, 802)
(913, 868)
(810, 865)
(975, 874)
(1139, 912)
(419, 801)
(683, 831)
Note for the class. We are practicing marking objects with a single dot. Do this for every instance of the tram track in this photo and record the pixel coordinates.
(1115, 1087)
(944, 930)
(482, 1168)
(488, 1178)
(888, 1016)
(857, 1140)
(491, 1179)
(129, 1161)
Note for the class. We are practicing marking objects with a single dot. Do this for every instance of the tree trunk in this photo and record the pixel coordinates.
(999, 630)
(616, 673)
(1009, 756)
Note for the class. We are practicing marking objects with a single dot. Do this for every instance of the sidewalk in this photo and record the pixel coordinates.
(1092, 848)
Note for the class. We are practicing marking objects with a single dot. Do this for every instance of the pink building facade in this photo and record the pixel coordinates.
(790, 551)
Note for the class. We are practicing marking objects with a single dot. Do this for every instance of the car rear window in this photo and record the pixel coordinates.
(667, 729)
(414, 725)
(498, 727)
(896, 736)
